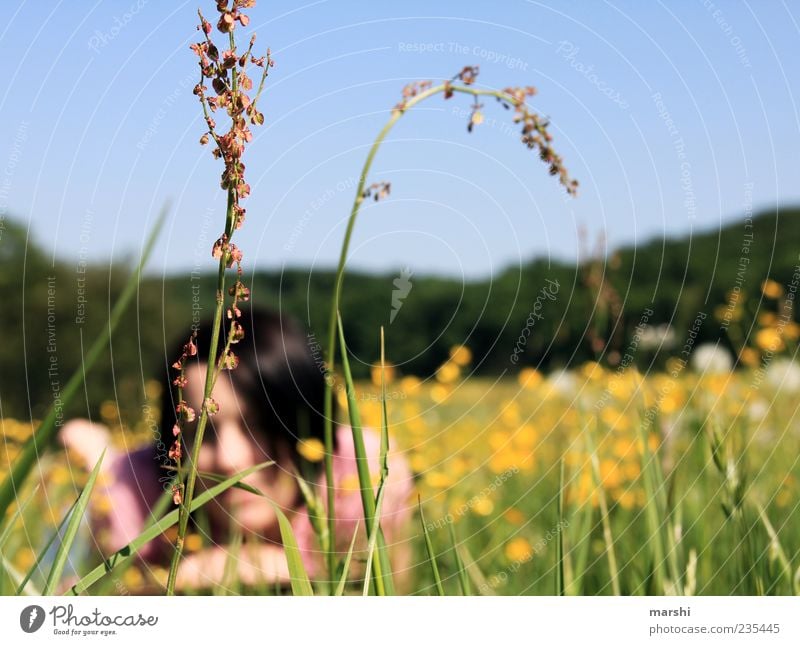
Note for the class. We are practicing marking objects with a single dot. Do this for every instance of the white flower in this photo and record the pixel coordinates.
(784, 374)
(712, 359)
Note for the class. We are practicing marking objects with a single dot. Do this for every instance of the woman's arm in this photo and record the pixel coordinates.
(254, 564)
(396, 513)
(126, 491)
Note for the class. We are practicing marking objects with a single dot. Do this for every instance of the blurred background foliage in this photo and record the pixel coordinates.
(598, 306)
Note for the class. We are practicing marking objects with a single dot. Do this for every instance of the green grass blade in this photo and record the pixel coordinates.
(775, 542)
(373, 539)
(229, 580)
(668, 574)
(608, 536)
(5, 534)
(62, 554)
(301, 585)
(203, 474)
(582, 541)
(382, 571)
(384, 454)
(24, 585)
(159, 508)
(652, 508)
(316, 513)
(346, 565)
(157, 528)
(46, 432)
(463, 577)
(431, 555)
(560, 587)
(475, 573)
(46, 548)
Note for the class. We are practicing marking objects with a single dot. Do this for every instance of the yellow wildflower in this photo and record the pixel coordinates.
(514, 515)
(388, 373)
(193, 542)
(518, 550)
(750, 357)
(448, 373)
(771, 289)
(311, 449)
(768, 339)
(483, 506)
(439, 393)
(409, 384)
(530, 378)
(461, 355)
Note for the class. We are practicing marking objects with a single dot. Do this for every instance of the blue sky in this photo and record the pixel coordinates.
(673, 116)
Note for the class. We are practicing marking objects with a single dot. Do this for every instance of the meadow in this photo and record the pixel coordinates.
(677, 482)
(609, 476)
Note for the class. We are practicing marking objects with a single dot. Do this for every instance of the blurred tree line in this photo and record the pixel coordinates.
(56, 309)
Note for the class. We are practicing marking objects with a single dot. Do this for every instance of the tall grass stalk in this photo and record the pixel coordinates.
(463, 576)
(127, 552)
(752, 577)
(71, 531)
(534, 135)
(44, 436)
(382, 570)
(608, 536)
(560, 585)
(340, 587)
(437, 579)
(227, 74)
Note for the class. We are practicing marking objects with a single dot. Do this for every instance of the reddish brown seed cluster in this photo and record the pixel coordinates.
(226, 71)
(410, 91)
(535, 134)
(379, 190)
(184, 413)
(534, 128)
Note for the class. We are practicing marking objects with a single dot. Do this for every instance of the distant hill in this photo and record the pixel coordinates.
(595, 309)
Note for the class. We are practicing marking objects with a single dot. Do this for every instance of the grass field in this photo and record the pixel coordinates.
(675, 482)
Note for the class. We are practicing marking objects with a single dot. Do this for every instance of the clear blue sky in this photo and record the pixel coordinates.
(100, 128)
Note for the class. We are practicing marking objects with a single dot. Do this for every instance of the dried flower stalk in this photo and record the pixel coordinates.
(227, 73)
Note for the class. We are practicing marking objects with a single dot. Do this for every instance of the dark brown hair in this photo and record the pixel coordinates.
(280, 378)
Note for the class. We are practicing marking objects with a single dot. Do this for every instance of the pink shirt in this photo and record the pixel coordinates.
(134, 490)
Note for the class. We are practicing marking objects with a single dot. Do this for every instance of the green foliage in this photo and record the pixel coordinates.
(671, 276)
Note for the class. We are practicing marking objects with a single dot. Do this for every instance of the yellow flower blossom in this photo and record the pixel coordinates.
(772, 289)
(448, 373)
(439, 479)
(592, 370)
(311, 449)
(483, 506)
(461, 355)
(529, 378)
(768, 339)
(193, 542)
(409, 384)
(510, 413)
(518, 550)
(791, 331)
(388, 373)
(749, 357)
(514, 515)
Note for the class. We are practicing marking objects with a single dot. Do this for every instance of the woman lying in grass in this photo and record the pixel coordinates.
(270, 409)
